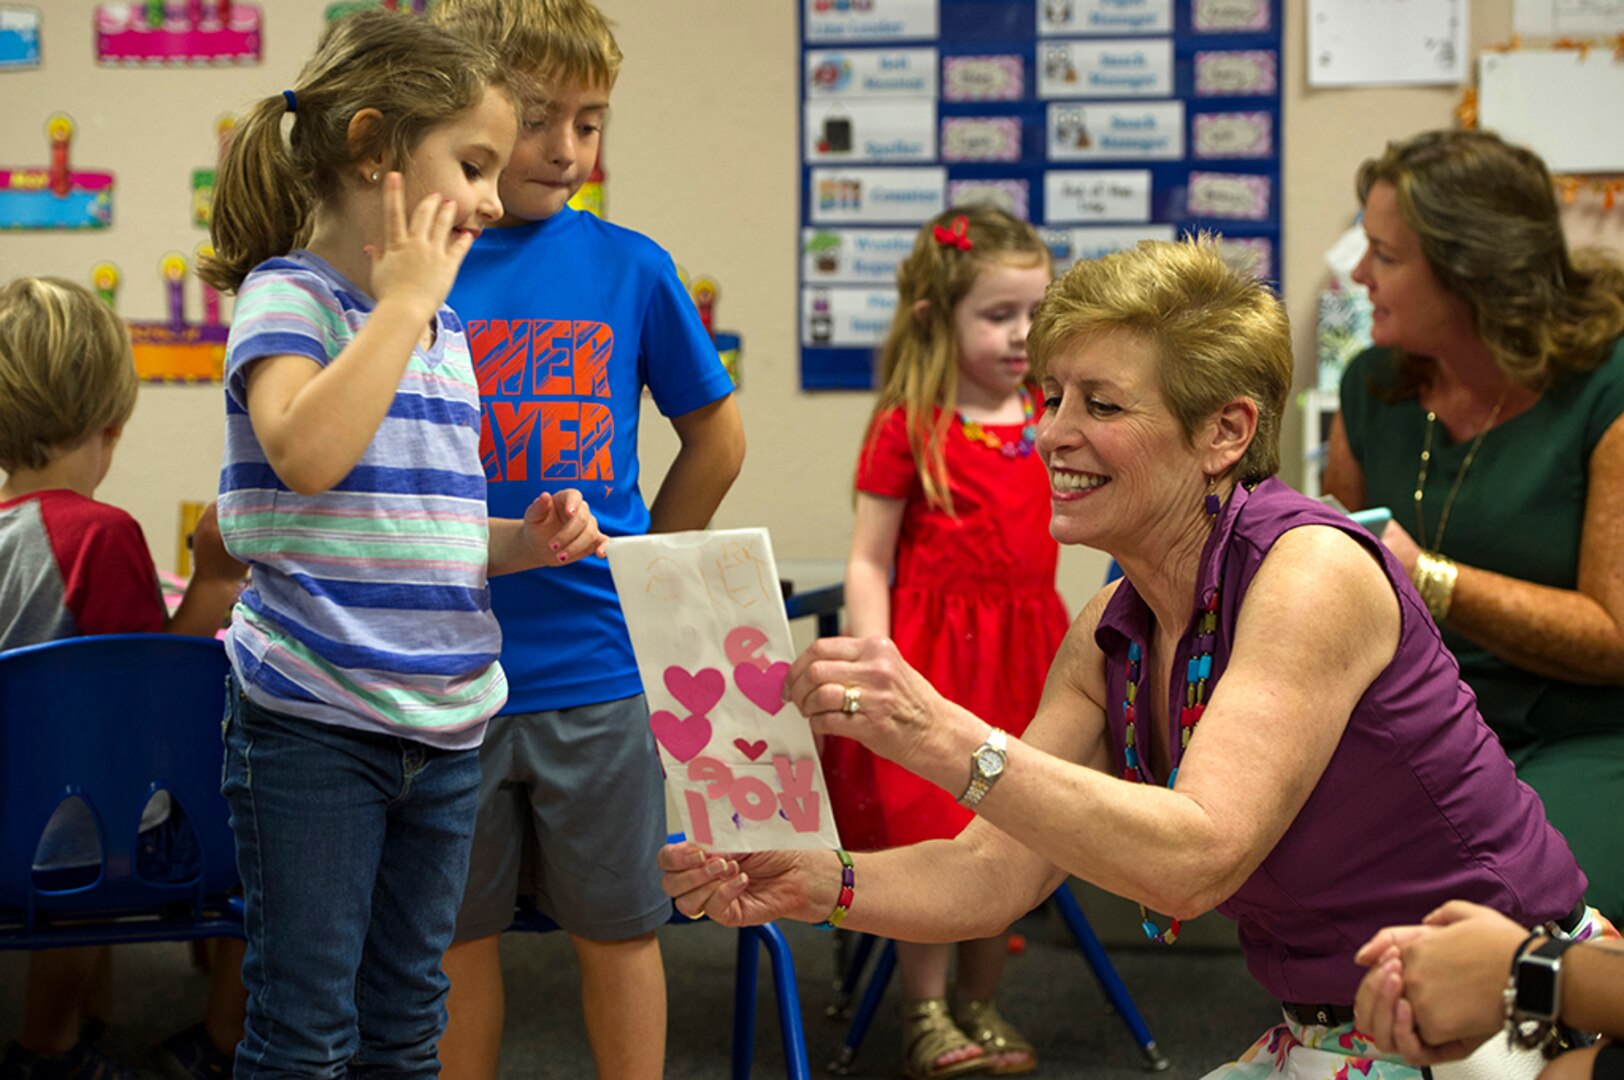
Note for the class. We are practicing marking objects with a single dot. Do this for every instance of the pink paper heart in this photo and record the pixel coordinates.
(764, 687)
(682, 738)
(696, 691)
(751, 750)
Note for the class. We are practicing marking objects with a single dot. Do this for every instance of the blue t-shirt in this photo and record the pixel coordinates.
(568, 319)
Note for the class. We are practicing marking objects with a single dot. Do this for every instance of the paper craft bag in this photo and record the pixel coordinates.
(707, 624)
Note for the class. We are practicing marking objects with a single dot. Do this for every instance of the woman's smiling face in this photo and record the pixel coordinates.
(1121, 471)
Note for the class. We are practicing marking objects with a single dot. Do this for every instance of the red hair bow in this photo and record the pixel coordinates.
(958, 236)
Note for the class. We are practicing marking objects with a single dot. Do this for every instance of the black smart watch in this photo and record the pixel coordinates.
(1539, 981)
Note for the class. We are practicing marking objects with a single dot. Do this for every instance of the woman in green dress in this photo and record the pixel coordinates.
(1487, 418)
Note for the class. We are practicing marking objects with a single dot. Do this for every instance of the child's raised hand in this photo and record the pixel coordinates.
(420, 257)
(562, 525)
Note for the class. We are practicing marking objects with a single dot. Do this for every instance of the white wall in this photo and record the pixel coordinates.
(700, 153)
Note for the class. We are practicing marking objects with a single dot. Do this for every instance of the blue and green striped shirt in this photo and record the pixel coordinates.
(367, 605)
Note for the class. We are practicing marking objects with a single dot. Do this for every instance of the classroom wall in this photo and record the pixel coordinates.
(700, 154)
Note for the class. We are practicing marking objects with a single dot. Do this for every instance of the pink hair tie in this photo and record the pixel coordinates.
(958, 236)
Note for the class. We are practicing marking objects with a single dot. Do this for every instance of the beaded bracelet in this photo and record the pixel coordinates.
(848, 886)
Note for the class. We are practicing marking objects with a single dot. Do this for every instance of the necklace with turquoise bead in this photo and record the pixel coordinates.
(1197, 676)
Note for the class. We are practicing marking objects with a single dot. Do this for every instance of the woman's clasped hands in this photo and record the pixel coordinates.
(1432, 993)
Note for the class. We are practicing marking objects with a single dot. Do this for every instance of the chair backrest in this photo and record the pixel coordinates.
(112, 719)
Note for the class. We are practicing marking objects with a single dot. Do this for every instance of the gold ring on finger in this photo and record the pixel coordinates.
(854, 700)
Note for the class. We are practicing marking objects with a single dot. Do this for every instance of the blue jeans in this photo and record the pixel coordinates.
(353, 850)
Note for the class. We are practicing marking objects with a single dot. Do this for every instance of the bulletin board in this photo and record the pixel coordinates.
(1102, 122)
(1535, 98)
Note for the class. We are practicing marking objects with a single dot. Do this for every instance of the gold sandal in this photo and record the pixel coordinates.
(928, 1032)
(981, 1021)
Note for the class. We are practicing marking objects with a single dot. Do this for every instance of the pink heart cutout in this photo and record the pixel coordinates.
(696, 691)
(765, 688)
(751, 750)
(683, 739)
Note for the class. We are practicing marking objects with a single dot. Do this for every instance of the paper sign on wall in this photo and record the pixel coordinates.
(1097, 195)
(846, 316)
(56, 196)
(869, 20)
(884, 73)
(854, 256)
(19, 36)
(877, 195)
(1080, 69)
(707, 624)
(1105, 17)
(140, 32)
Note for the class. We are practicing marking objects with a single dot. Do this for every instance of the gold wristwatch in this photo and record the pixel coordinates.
(986, 766)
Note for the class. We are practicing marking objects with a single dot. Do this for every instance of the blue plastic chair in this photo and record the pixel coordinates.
(113, 720)
(821, 604)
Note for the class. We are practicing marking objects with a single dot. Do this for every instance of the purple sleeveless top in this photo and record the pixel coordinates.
(1417, 805)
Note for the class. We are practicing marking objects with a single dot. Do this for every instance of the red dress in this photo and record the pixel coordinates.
(973, 609)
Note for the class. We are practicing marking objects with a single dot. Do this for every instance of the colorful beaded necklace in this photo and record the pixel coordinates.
(1029, 431)
(1196, 675)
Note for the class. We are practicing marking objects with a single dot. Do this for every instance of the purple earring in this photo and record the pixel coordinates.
(1213, 505)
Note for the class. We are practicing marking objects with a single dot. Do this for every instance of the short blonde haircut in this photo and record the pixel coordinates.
(66, 370)
(1486, 215)
(1217, 331)
(546, 43)
(919, 359)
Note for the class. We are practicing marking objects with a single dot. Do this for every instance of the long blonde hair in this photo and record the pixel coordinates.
(1487, 219)
(919, 361)
(417, 75)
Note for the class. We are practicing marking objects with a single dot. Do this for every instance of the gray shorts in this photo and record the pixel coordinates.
(572, 812)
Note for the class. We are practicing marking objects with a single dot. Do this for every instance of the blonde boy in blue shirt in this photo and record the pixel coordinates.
(569, 319)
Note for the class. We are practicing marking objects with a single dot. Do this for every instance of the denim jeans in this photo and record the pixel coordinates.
(353, 850)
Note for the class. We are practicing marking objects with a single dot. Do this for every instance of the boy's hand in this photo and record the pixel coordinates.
(561, 529)
(420, 256)
(210, 561)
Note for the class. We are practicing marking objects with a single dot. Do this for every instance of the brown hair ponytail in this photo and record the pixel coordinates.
(417, 76)
(261, 204)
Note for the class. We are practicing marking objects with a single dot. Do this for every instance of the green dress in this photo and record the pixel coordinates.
(1519, 512)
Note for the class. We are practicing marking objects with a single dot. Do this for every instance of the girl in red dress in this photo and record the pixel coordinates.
(951, 557)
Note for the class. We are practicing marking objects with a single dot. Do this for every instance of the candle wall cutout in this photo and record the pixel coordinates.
(203, 179)
(211, 295)
(55, 196)
(178, 32)
(19, 36)
(175, 350)
(704, 292)
(104, 279)
(350, 7)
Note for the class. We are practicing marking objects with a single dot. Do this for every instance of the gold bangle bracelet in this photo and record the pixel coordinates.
(1435, 580)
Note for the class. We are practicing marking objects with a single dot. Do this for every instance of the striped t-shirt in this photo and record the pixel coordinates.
(367, 605)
